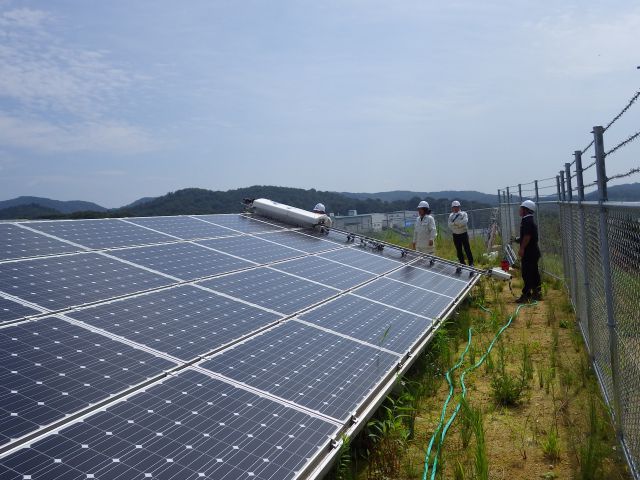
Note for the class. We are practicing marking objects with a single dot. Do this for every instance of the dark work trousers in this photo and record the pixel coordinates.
(530, 276)
(462, 240)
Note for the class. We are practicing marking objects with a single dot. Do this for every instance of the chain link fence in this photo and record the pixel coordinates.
(594, 248)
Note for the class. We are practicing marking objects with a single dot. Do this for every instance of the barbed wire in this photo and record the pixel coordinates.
(624, 110)
(623, 175)
(623, 143)
(588, 166)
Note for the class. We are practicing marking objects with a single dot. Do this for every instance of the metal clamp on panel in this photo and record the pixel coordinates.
(354, 418)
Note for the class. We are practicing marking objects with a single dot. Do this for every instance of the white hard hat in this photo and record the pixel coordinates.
(319, 208)
(529, 204)
(423, 204)
(455, 203)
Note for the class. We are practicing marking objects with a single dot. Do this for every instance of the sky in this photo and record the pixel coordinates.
(110, 101)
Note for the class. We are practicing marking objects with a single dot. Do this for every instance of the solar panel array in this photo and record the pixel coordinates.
(214, 346)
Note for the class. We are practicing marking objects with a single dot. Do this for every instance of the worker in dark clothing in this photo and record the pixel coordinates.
(457, 222)
(529, 254)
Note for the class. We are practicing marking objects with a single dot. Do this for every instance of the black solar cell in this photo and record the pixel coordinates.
(184, 321)
(189, 427)
(313, 368)
(324, 271)
(370, 262)
(271, 289)
(10, 310)
(371, 322)
(401, 295)
(183, 227)
(60, 282)
(20, 242)
(185, 261)
(104, 233)
(50, 368)
(252, 248)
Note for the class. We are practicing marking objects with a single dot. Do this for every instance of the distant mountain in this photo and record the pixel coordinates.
(57, 205)
(629, 192)
(32, 210)
(199, 201)
(462, 195)
(138, 202)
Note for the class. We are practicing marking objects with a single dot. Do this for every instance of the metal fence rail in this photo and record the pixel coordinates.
(594, 248)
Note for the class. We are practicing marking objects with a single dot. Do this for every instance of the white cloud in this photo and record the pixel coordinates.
(587, 44)
(43, 78)
(91, 136)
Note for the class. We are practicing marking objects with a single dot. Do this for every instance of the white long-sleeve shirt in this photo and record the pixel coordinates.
(458, 222)
(425, 231)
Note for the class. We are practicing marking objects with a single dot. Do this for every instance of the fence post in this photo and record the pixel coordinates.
(562, 188)
(558, 187)
(606, 270)
(520, 191)
(583, 253)
(509, 216)
(570, 249)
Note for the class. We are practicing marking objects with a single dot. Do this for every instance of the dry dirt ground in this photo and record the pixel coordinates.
(560, 395)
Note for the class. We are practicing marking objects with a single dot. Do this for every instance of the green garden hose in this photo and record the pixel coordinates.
(442, 430)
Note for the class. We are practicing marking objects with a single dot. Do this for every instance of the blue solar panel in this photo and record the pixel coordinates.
(10, 310)
(184, 321)
(239, 223)
(60, 282)
(370, 322)
(302, 241)
(185, 261)
(19, 242)
(189, 427)
(404, 296)
(313, 368)
(186, 228)
(432, 280)
(252, 248)
(371, 262)
(324, 271)
(105, 233)
(270, 289)
(50, 368)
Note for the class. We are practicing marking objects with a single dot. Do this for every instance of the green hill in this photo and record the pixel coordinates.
(200, 201)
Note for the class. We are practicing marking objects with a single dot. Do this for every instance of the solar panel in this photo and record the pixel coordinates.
(324, 271)
(104, 233)
(184, 321)
(370, 262)
(50, 368)
(406, 297)
(190, 426)
(302, 241)
(10, 310)
(220, 346)
(431, 280)
(20, 242)
(60, 282)
(185, 261)
(311, 367)
(239, 223)
(370, 322)
(186, 228)
(252, 248)
(274, 290)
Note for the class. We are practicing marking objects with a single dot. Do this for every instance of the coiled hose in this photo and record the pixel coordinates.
(443, 427)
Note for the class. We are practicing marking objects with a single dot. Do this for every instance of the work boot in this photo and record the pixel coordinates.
(537, 296)
(523, 299)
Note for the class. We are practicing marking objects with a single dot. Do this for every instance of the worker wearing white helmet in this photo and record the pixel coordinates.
(323, 218)
(457, 222)
(424, 230)
(529, 254)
